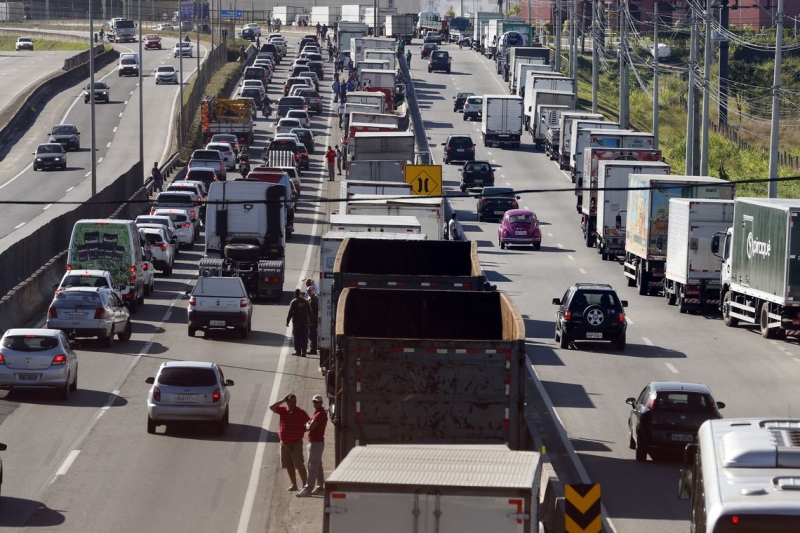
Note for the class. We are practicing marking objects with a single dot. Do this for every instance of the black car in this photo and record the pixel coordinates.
(49, 155)
(667, 415)
(493, 202)
(67, 135)
(427, 48)
(297, 69)
(313, 100)
(473, 108)
(248, 34)
(592, 312)
(307, 40)
(269, 47)
(306, 137)
(476, 174)
(439, 61)
(458, 148)
(290, 102)
(102, 93)
(317, 67)
(459, 100)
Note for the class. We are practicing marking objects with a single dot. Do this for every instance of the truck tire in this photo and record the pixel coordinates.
(241, 251)
(727, 319)
(766, 332)
(641, 280)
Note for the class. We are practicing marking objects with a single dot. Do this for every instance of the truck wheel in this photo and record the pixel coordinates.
(589, 237)
(681, 301)
(241, 251)
(766, 332)
(727, 319)
(641, 280)
(670, 296)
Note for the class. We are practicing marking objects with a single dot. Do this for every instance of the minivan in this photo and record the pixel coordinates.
(112, 245)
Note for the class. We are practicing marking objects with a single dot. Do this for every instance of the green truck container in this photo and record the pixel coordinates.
(760, 270)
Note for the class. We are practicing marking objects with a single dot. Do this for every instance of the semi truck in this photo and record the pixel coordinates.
(647, 222)
(586, 186)
(223, 115)
(428, 369)
(245, 237)
(692, 278)
(427, 489)
(495, 31)
(400, 27)
(502, 120)
(760, 280)
(565, 126)
(516, 35)
(376, 170)
(599, 221)
(427, 209)
(519, 52)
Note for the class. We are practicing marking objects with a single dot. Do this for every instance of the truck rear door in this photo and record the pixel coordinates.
(363, 511)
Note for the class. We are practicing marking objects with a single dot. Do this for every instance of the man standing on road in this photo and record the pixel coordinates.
(456, 231)
(338, 160)
(299, 315)
(313, 302)
(316, 444)
(408, 59)
(290, 432)
(330, 157)
(158, 179)
(336, 87)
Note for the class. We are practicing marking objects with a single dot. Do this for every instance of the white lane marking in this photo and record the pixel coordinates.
(115, 129)
(796, 360)
(120, 114)
(582, 271)
(99, 160)
(48, 206)
(132, 93)
(85, 176)
(628, 319)
(74, 187)
(20, 225)
(68, 462)
(549, 234)
(258, 459)
(108, 145)
(648, 341)
(559, 245)
(570, 258)
(671, 368)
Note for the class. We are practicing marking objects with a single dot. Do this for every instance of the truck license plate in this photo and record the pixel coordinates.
(217, 323)
(682, 437)
(594, 335)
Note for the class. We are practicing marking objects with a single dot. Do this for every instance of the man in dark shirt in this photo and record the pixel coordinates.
(316, 444)
(290, 432)
(299, 315)
(313, 301)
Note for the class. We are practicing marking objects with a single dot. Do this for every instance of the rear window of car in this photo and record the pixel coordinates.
(282, 144)
(187, 377)
(585, 298)
(461, 141)
(206, 155)
(83, 281)
(78, 299)
(201, 175)
(686, 402)
(29, 343)
(292, 100)
(254, 72)
(151, 220)
(153, 237)
(167, 198)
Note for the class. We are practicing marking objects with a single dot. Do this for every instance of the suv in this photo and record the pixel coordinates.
(459, 148)
(290, 102)
(473, 108)
(590, 311)
(476, 174)
(440, 60)
(459, 100)
(24, 43)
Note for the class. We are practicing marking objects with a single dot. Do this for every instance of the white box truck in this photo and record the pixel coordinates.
(347, 32)
(428, 210)
(542, 97)
(352, 13)
(325, 15)
(565, 127)
(521, 67)
(502, 120)
(376, 170)
(400, 27)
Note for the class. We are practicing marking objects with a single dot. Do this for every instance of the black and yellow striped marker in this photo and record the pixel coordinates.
(582, 508)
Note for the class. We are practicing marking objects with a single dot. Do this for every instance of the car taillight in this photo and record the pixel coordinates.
(567, 315)
(69, 267)
(229, 153)
(216, 395)
(305, 107)
(651, 404)
(483, 202)
(622, 318)
(446, 148)
(192, 301)
(153, 211)
(60, 359)
(52, 313)
(162, 245)
(157, 394)
(471, 148)
(2, 359)
(243, 302)
(99, 313)
(466, 106)
(145, 266)
(133, 273)
(186, 224)
(272, 280)
(192, 213)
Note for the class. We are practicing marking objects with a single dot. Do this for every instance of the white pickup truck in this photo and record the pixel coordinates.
(219, 303)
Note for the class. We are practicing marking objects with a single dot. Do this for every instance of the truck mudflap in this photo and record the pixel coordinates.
(271, 275)
(691, 296)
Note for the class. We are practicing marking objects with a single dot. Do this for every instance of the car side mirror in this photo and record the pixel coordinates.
(187, 292)
(151, 380)
(444, 144)
(720, 405)
(624, 303)
(3, 447)
(49, 133)
(715, 244)
(55, 286)
(229, 383)
(685, 484)
(556, 301)
(630, 401)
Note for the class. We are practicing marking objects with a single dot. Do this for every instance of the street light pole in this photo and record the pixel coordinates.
(93, 155)
(199, 18)
(141, 100)
(776, 105)
(180, 68)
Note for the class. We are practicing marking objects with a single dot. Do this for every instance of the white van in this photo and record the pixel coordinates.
(128, 65)
(112, 245)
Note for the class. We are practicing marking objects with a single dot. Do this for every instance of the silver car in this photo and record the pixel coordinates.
(188, 391)
(226, 150)
(183, 48)
(185, 228)
(90, 312)
(166, 74)
(38, 358)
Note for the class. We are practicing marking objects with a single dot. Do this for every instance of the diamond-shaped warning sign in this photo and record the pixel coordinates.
(425, 180)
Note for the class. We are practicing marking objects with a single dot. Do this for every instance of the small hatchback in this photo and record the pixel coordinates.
(188, 391)
(459, 148)
(301, 115)
(519, 227)
(459, 100)
(90, 312)
(473, 108)
(476, 174)
(38, 358)
(590, 312)
(166, 74)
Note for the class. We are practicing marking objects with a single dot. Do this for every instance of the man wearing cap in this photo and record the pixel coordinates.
(290, 432)
(316, 443)
(311, 283)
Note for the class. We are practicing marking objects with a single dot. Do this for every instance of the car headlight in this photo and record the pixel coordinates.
(38, 159)
(105, 93)
(52, 140)
(58, 159)
(74, 139)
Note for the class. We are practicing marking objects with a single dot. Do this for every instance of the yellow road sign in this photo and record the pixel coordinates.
(425, 180)
(582, 508)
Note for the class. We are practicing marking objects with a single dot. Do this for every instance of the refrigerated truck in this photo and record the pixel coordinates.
(605, 137)
(481, 25)
(427, 209)
(542, 97)
(647, 222)
(546, 117)
(521, 67)
(347, 31)
(565, 126)
(502, 120)
(400, 27)
(692, 279)
(586, 186)
(760, 275)
(376, 170)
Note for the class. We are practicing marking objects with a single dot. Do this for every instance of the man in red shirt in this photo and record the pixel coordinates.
(316, 443)
(330, 157)
(290, 431)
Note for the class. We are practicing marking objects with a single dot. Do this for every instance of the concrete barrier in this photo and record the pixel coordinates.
(551, 501)
(79, 59)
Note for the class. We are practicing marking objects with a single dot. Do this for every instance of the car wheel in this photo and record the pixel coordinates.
(563, 341)
(244, 331)
(147, 290)
(191, 331)
(681, 301)
(109, 341)
(501, 243)
(63, 392)
(125, 336)
(537, 246)
(631, 442)
(140, 301)
(464, 117)
(222, 425)
(35, 168)
(641, 451)
(641, 281)
(168, 271)
(151, 426)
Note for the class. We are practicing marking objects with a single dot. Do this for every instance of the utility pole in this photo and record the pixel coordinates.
(572, 40)
(595, 57)
(557, 31)
(93, 155)
(776, 104)
(141, 99)
(655, 76)
(706, 89)
(690, 107)
(624, 81)
(724, 45)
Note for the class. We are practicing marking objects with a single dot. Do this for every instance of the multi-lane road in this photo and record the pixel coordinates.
(89, 465)
(19, 71)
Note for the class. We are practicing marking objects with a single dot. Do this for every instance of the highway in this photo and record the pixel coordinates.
(117, 129)
(19, 71)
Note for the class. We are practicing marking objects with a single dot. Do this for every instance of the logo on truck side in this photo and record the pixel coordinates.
(755, 247)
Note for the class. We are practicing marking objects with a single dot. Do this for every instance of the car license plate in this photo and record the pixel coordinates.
(217, 323)
(186, 398)
(478, 181)
(518, 232)
(682, 437)
(499, 212)
(27, 377)
(76, 315)
(460, 150)
(594, 335)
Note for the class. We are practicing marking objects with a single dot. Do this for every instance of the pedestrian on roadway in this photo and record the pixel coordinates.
(338, 160)
(313, 302)
(336, 87)
(330, 157)
(299, 315)
(158, 179)
(408, 59)
(316, 445)
(291, 429)
(310, 283)
(456, 231)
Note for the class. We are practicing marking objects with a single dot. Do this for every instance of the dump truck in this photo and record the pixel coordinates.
(428, 369)
(223, 115)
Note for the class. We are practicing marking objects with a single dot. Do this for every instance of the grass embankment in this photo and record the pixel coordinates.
(42, 45)
(726, 159)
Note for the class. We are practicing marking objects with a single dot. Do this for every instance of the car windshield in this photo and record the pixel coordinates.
(520, 219)
(684, 402)
(177, 376)
(29, 343)
(63, 130)
(24, 40)
(128, 61)
(99, 85)
(151, 37)
(166, 69)
(49, 149)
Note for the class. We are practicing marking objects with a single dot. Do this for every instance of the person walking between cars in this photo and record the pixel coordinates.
(408, 59)
(299, 315)
(316, 445)
(313, 302)
(291, 429)
(336, 87)
(456, 231)
(158, 179)
(338, 160)
(330, 157)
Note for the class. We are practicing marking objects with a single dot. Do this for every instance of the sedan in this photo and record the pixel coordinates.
(166, 74)
(667, 415)
(67, 135)
(90, 312)
(162, 248)
(493, 202)
(188, 391)
(38, 358)
(152, 41)
(183, 223)
(165, 27)
(226, 150)
(306, 137)
(427, 48)
(102, 93)
(24, 43)
(49, 155)
(183, 48)
(519, 226)
(301, 115)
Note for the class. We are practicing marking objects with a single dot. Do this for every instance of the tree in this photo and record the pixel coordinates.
(514, 10)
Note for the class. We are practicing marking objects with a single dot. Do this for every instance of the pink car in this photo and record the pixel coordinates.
(519, 226)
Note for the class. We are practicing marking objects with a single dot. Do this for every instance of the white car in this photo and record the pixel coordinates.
(294, 175)
(162, 249)
(166, 74)
(183, 49)
(183, 223)
(227, 153)
(164, 27)
(24, 43)
(286, 125)
(254, 84)
(279, 43)
(301, 115)
(252, 26)
(149, 277)
(162, 220)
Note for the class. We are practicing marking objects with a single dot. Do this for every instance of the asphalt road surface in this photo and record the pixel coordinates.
(19, 71)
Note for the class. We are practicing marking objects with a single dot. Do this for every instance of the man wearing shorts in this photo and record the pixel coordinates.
(290, 431)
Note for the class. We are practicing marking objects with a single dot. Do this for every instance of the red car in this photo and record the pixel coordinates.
(519, 226)
(151, 41)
